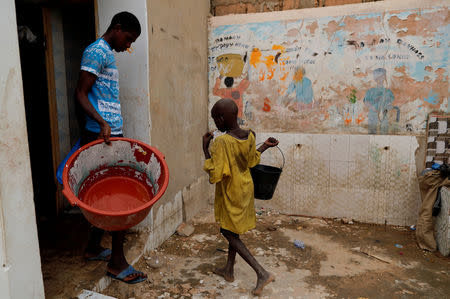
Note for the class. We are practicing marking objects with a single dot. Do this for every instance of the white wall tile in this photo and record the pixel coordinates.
(339, 171)
(339, 201)
(399, 148)
(339, 147)
(321, 147)
(359, 147)
(320, 173)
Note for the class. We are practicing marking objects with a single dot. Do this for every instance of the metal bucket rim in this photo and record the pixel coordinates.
(271, 169)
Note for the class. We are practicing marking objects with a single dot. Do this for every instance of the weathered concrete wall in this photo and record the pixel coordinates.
(178, 107)
(370, 178)
(365, 68)
(20, 263)
(133, 68)
(226, 7)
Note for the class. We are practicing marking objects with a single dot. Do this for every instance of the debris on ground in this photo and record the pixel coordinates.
(347, 220)
(86, 294)
(299, 244)
(317, 222)
(185, 230)
(272, 228)
(367, 251)
(340, 261)
(154, 262)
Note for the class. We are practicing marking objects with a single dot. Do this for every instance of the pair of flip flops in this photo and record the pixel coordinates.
(102, 256)
(127, 272)
(105, 255)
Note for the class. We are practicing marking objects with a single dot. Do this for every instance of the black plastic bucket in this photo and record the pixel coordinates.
(265, 179)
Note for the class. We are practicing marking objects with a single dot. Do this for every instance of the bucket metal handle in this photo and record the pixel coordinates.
(282, 154)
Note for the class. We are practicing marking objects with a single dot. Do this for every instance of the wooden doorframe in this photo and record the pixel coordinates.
(52, 107)
(96, 18)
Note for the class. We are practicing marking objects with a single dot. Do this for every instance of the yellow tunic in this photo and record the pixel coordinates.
(228, 168)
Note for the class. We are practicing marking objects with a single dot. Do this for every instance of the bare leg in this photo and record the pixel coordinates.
(118, 262)
(264, 277)
(95, 237)
(227, 272)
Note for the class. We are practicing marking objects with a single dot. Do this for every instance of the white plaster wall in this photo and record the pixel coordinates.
(20, 268)
(188, 192)
(133, 68)
(179, 96)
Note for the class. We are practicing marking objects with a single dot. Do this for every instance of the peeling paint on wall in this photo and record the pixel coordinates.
(376, 73)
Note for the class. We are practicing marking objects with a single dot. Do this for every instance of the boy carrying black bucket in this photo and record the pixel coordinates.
(228, 165)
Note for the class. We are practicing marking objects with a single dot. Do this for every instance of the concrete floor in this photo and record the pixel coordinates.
(339, 261)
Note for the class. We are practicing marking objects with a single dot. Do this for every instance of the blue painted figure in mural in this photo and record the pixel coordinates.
(379, 101)
(303, 90)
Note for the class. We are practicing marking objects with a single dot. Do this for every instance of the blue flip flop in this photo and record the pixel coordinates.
(128, 271)
(102, 256)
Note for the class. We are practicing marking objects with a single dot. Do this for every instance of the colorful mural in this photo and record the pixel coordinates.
(376, 73)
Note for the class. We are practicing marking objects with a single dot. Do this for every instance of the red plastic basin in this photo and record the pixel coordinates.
(115, 185)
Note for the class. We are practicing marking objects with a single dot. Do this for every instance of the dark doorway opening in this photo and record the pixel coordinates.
(62, 230)
(34, 77)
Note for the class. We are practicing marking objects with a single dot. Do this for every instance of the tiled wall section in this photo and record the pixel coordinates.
(162, 222)
(370, 178)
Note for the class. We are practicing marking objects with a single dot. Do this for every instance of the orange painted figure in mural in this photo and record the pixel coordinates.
(232, 93)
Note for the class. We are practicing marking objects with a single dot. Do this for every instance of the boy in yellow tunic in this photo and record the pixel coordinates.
(228, 165)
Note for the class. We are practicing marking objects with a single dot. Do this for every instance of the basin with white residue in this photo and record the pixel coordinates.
(115, 185)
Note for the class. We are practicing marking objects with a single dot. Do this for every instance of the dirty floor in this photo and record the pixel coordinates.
(339, 261)
(62, 241)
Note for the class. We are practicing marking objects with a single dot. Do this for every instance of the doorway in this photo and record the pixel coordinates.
(51, 42)
(52, 37)
(34, 77)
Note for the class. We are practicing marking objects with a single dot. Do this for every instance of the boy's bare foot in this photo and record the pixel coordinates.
(262, 282)
(224, 273)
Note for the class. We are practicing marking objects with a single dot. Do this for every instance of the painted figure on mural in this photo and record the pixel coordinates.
(233, 93)
(379, 102)
(303, 90)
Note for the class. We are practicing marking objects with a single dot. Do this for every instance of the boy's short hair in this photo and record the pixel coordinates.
(127, 21)
(229, 81)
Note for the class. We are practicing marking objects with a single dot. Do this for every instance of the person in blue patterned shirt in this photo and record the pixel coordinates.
(97, 93)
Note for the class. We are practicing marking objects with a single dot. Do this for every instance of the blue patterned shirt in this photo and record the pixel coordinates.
(98, 59)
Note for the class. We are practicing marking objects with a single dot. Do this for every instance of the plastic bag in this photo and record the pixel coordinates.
(59, 171)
